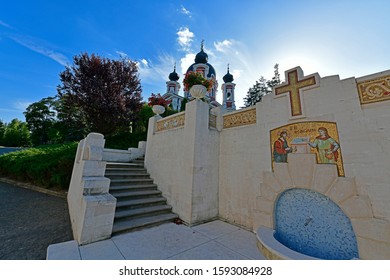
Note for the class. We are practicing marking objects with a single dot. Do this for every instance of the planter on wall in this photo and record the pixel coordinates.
(158, 109)
(198, 91)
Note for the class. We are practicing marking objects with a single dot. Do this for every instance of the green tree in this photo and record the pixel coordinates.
(71, 123)
(262, 87)
(17, 134)
(275, 79)
(102, 94)
(2, 130)
(256, 93)
(183, 104)
(144, 115)
(41, 120)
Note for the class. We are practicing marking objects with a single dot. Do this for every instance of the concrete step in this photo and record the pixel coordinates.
(135, 194)
(125, 170)
(136, 223)
(111, 164)
(150, 210)
(119, 188)
(141, 202)
(140, 181)
(127, 176)
(138, 161)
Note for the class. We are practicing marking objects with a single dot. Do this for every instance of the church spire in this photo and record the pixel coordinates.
(174, 76)
(201, 56)
(228, 78)
(228, 91)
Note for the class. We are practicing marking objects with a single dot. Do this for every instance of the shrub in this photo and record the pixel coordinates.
(46, 166)
(124, 140)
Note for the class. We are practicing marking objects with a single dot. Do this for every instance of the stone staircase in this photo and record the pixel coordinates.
(139, 202)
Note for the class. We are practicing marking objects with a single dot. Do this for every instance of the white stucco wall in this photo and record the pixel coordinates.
(184, 164)
(240, 163)
(208, 173)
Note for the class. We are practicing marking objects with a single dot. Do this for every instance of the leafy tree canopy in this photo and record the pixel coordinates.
(101, 94)
(261, 88)
(16, 134)
(41, 119)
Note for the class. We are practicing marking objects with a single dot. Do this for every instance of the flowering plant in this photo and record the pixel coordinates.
(158, 100)
(196, 78)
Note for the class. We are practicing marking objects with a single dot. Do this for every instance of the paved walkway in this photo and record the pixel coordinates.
(215, 240)
(29, 222)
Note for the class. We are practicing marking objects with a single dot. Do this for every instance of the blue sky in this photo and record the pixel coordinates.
(38, 38)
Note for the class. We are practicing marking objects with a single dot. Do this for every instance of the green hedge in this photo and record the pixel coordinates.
(46, 166)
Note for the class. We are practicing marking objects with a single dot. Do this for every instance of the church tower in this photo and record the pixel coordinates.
(228, 92)
(201, 65)
(173, 87)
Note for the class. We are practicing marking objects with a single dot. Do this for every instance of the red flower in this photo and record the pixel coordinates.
(195, 78)
(158, 100)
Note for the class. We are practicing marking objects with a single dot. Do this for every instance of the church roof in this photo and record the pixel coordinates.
(202, 58)
(211, 69)
(174, 76)
(228, 78)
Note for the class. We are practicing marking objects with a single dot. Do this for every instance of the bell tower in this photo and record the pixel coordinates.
(228, 92)
(173, 85)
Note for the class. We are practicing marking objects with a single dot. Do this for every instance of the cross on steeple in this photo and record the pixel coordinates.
(294, 87)
(201, 45)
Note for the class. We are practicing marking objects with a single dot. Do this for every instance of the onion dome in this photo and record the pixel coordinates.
(174, 76)
(211, 69)
(201, 56)
(228, 78)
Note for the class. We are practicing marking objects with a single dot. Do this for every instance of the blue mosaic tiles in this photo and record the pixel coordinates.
(310, 223)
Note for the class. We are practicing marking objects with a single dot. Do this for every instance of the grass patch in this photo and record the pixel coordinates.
(46, 166)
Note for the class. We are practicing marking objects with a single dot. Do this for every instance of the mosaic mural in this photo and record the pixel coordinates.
(240, 118)
(321, 138)
(374, 90)
(174, 121)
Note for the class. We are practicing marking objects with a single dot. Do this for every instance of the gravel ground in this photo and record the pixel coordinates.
(29, 222)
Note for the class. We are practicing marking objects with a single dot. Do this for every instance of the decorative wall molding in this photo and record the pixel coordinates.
(174, 121)
(375, 90)
(240, 118)
(213, 121)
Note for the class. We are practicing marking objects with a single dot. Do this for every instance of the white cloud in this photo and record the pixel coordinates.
(186, 12)
(144, 62)
(122, 54)
(236, 73)
(156, 73)
(33, 45)
(186, 62)
(2, 23)
(185, 38)
(223, 46)
(7, 110)
(21, 105)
